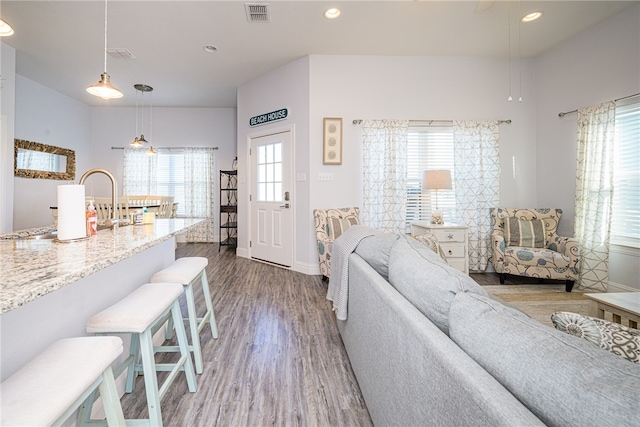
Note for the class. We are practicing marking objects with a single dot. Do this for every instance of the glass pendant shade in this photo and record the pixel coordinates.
(5, 29)
(104, 89)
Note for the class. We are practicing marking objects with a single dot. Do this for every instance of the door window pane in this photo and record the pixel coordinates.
(269, 176)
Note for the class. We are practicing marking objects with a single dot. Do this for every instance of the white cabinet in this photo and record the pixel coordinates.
(453, 239)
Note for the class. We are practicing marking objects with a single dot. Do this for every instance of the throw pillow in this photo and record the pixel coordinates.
(337, 226)
(431, 241)
(525, 233)
(616, 338)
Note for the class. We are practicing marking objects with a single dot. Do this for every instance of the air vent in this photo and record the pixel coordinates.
(257, 12)
(120, 53)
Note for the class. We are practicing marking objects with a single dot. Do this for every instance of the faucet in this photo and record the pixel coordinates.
(114, 193)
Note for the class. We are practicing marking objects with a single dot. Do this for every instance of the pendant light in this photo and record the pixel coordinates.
(138, 142)
(104, 89)
(5, 29)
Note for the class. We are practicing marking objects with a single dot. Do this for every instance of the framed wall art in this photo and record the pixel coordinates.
(332, 141)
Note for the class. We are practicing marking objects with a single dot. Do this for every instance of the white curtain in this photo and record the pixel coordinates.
(594, 191)
(199, 197)
(384, 174)
(477, 183)
(139, 174)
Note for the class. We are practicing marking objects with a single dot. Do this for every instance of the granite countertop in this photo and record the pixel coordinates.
(33, 268)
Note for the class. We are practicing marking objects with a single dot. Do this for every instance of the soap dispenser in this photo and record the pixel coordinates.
(92, 219)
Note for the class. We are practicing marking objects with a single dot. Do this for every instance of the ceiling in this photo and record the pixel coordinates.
(60, 44)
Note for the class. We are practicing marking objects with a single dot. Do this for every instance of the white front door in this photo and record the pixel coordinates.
(271, 199)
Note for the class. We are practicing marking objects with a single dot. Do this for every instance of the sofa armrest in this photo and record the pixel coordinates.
(569, 247)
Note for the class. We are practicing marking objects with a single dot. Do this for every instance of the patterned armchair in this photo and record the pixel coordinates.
(330, 223)
(525, 243)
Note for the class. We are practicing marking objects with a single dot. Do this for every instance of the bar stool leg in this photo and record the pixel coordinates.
(111, 399)
(207, 300)
(134, 350)
(193, 327)
(184, 347)
(150, 379)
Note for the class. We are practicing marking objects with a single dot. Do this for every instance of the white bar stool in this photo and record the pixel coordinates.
(137, 314)
(188, 271)
(49, 389)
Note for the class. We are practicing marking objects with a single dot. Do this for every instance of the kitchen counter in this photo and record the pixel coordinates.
(31, 269)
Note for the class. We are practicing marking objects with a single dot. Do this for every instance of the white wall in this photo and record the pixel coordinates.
(360, 87)
(286, 87)
(7, 123)
(599, 65)
(46, 116)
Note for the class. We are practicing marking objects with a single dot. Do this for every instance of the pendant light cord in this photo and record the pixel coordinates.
(509, 38)
(105, 36)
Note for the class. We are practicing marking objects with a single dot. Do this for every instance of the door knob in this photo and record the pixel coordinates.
(286, 206)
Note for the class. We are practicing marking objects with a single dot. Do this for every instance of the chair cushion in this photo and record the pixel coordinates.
(137, 311)
(525, 233)
(337, 226)
(182, 271)
(611, 336)
(537, 257)
(40, 392)
(562, 379)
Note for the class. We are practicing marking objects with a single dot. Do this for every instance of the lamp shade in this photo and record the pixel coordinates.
(436, 180)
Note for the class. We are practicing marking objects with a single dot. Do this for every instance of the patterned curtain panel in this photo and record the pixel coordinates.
(139, 175)
(594, 185)
(199, 187)
(477, 183)
(384, 174)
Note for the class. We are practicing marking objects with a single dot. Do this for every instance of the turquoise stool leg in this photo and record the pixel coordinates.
(134, 351)
(150, 378)
(184, 348)
(210, 314)
(111, 399)
(193, 327)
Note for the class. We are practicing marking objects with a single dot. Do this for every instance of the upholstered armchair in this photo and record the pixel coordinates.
(525, 243)
(330, 224)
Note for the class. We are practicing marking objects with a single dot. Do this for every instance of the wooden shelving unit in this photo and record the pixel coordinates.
(228, 208)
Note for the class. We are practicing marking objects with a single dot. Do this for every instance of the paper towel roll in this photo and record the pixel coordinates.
(71, 212)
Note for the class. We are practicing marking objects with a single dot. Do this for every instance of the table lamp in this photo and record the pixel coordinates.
(436, 180)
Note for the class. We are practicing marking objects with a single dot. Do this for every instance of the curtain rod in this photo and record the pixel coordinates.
(166, 148)
(562, 114)
(430, 122)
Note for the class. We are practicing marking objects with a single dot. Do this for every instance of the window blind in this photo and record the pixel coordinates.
(429, 147)
(625, 225)
(170, 177)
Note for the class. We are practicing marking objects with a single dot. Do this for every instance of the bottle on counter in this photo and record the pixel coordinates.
(92, 219)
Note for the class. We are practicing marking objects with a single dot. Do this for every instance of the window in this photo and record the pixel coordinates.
(270, 172)
(170, 181)
(429, 147)
(625, 223)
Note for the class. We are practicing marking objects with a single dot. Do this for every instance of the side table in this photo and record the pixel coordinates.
(619, 304)
(453, 239)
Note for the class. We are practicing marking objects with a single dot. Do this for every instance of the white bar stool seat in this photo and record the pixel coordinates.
(49, 389)
(137, 314)
(188, 271)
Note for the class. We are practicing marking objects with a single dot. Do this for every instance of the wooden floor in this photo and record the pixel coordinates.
(279, 360)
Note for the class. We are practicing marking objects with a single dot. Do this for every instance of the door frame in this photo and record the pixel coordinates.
(250, 174)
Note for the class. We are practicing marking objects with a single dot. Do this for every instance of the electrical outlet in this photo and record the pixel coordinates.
(325, 176)
(301, 176)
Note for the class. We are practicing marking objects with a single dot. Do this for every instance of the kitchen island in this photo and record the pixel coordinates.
(49, 289)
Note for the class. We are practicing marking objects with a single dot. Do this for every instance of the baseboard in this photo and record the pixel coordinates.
(617, 287)
(308, 269)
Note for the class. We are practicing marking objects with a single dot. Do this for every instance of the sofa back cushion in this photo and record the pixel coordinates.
(524, 233)
(426, 281)
(562, 379)
(375, 250)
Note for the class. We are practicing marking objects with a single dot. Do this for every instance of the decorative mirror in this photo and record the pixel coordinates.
(35, 160)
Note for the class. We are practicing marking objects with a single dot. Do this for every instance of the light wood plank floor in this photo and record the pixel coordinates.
(279, 359)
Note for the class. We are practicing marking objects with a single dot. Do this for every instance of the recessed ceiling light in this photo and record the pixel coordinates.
(531, 16)
(5, 29)
(332, 13)
(210, 48)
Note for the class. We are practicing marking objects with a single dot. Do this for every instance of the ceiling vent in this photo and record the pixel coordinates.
(257, 12)
(120, 53)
